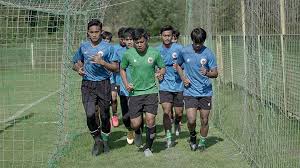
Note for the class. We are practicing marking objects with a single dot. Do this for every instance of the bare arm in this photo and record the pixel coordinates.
(123, 74)
(185, 80)
(160, 73)
(113, 67)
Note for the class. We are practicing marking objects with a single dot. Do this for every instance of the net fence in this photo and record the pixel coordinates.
(256, 102)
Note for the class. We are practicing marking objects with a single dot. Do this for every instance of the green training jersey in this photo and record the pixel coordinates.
(142, 70)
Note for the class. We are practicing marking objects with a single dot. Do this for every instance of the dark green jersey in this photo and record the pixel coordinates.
(142, 70)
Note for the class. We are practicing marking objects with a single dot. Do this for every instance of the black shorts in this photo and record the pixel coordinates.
(115, 87)
(171, 97)
(143, 103)
(197, 102)
(95, 93)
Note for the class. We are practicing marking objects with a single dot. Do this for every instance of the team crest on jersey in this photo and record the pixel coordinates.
(174, 55)
(203, 61)
(150, 60)
(101, 53)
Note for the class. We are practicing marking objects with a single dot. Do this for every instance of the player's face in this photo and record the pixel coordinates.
(174, 39)
(197, 46)
(122, 42)
(141, 44)
(94, 33)
(107, 40)
(167, 37)
(129, 42)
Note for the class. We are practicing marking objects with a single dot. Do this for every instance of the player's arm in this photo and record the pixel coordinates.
(212, 71)
(124, 65)
(78, 62)
(113, 66)
(161, 68)
(179, 70)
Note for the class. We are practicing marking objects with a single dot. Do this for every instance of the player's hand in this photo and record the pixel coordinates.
(97, 59)
(186, 82)
(175, 66)
(203, 71)
(129, 87)
(81, 71)
(79, 68)
(159, 76)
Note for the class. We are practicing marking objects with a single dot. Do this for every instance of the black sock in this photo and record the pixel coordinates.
(138, 131)
(150, 136)
(193, 137)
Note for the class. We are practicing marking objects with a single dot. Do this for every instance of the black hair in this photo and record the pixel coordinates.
(106, 34)
(166, 28)
(129, 32)
(176, 33)
(94, 22)
(139, 33)
(121, 32)
(198, 35)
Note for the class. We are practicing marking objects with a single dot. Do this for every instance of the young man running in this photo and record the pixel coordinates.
(94, 61)
(115, 87)
(200, 65)
(142, 61)
(123, 93)
(171, 87)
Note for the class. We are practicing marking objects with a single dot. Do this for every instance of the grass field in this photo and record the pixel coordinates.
(30, 139)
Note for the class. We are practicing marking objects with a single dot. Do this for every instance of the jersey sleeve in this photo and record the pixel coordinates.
(212, 63)
(180, 59)
(113, 55)
(159, 61)
(125, 61)
(78, 56)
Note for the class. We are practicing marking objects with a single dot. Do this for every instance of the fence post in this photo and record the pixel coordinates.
(260, 67)
(231, 61)
(220, 58)
(283, 32)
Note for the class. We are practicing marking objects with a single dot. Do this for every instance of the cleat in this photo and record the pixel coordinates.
(115, 120)
(148, 152)
(201, 147)
(105, 147)
(193, 146)
(130, 137)
(97, 148)
(169, 144)
(177, 129)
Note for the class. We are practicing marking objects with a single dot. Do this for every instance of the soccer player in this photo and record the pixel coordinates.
(115, 87)
(94, 61)
(106, 36)
(142, 61)
(175, 36)
(171, 87)
(200, 65)
(123, 93)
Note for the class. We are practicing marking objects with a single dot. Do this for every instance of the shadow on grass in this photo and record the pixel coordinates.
(12, 123)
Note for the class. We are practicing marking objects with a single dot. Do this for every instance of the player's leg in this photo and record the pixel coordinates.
(191, 113)
(150, 106)
(178, 106)
(126, 118)
(205, 105)
(166, 100)
(114, 105)
(89, 104)
(104, 99)
(136, 117)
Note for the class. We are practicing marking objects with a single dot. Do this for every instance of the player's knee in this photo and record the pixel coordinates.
(204, 121)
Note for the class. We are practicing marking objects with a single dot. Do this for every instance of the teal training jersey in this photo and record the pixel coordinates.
(142, 70)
